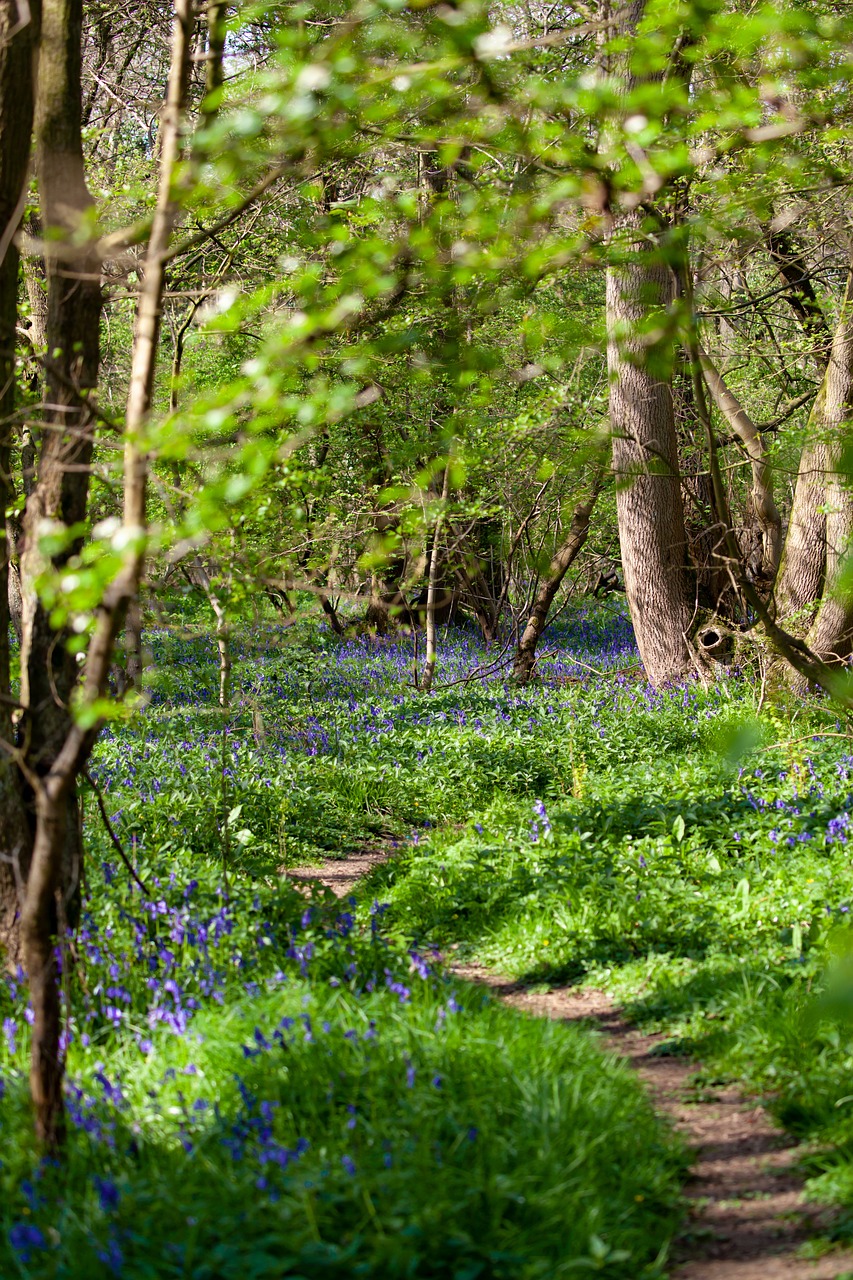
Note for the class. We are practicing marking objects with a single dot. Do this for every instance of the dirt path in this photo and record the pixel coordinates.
(749, 1218)
(341, 875)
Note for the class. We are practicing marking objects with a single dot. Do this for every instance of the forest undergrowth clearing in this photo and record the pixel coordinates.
(595, 833)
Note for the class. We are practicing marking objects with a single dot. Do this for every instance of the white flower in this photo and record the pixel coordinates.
(493, 43)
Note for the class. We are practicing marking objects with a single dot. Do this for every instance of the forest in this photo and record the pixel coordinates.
(426, 629)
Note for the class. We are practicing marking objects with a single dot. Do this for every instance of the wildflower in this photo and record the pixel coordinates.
(542, 815)
(108, 1194)
(10, 1031)
(836, 831)
(25, 1238)
(349, 1165)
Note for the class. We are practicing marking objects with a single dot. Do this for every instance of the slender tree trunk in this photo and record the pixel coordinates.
(214, 79)
(133, 645)
(17, 65)
(525, 658)
(223, 644)
(432, 589)
(72, 305)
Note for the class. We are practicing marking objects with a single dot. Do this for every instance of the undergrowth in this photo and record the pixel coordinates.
(264, 1084)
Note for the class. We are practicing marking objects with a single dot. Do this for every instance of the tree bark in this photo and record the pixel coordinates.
(645, 461)
(525, 657)
(432, 589)
(832, 634)
(803, 562)
(640, 289)
(18, 50)
(74, 304)
(59, 499)
(801, 571)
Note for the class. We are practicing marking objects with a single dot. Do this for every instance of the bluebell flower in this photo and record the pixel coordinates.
(10, 1031)
(25, 1238)
(108, 1194)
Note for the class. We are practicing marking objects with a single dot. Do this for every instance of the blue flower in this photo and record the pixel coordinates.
(10, 1031)
(108, 1193)
(25, 1238)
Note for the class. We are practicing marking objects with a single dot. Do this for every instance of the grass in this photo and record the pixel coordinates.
(264, 1085)
(586, 829)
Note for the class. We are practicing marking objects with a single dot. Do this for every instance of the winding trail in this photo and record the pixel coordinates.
(749, 1217)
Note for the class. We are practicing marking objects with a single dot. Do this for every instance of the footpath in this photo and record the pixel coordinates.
(749, 1218)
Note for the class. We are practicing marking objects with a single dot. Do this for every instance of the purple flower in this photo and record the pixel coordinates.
(10, 1031)
(108, 1194)
(349, 1165)
(25, 1237)
(836, 832)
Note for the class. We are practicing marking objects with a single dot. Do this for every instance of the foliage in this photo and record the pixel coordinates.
(263, 1084)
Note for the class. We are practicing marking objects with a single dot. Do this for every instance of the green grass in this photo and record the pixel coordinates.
(263, 1086)
(652, 844)
(482, 1144)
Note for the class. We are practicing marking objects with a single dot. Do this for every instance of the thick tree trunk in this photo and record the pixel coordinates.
(640, 293)
(645, 460)
(73, 323)
(60, 495)
(525, 658)
(801, 572)
(17, 65)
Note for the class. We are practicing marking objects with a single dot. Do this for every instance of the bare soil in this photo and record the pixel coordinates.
(340, 875)
(749, 1218)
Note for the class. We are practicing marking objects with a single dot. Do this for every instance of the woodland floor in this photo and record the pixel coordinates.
(748, 1217)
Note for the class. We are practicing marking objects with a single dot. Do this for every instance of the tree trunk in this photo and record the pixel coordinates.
(645, 461)
(17, 62)
(801, 572)
(48, 670)
(832, 634)
(73, 322)
(640, 293)
(432, 590)
(133, 645)
(525, 657)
